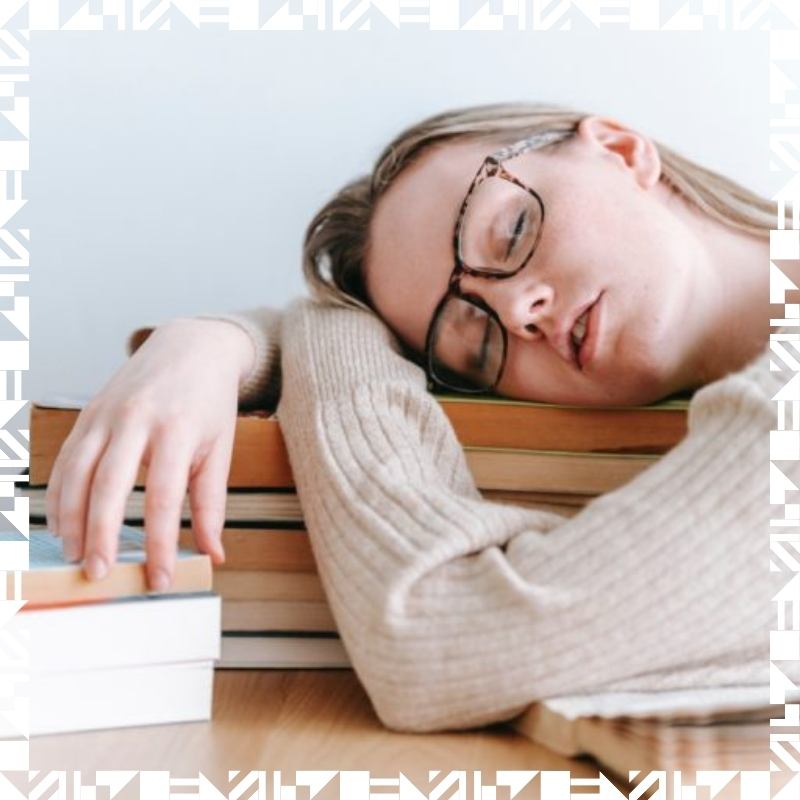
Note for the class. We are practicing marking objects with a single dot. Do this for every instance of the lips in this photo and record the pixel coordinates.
(572, 347)
(589, 343)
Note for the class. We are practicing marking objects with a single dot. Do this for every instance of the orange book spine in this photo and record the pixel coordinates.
(261, 549)
(67, 585)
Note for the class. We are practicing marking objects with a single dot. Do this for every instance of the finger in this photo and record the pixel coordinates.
(54, 482)
(73, 498)
(164, 495)
(51, 496)
(207, 495)
(114, 478)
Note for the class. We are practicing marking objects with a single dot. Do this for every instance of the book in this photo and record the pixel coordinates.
(492, 421)
(554, 471)
(52, 581)
(277, 615)
(253, 507)
(110, 653)
(534, 471)
(274, 611)
(261, 548)
(709, 728)
(282, 651)
(93, 699)
(256, 509)
(268, 585)
(259, 454)
(124, 632)
(260, 459)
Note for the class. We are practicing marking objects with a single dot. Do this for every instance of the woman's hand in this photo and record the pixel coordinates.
(172, 406)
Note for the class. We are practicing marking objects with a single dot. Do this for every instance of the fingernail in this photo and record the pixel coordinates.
(96, 567)
(159, 580)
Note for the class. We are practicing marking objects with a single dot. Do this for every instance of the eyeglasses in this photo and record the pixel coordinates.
(497, 229)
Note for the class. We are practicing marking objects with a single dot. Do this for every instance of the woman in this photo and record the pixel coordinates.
(456, 611)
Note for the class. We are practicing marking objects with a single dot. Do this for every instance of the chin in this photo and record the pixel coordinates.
(644, 390)
(645, 396)
(616, 393)
(575, 397)
(640, 380)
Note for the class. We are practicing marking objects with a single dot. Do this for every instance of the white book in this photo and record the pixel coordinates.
(126, 632)
(264, 651)
(669, 704)
(115, 698)
(61, 400)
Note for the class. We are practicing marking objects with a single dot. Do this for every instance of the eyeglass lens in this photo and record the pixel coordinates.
(498, 232)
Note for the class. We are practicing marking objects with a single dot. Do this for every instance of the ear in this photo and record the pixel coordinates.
(635, 152)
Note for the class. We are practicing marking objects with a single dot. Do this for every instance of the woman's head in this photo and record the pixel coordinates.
(623, 232)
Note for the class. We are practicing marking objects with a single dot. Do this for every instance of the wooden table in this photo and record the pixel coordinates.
(293, 720)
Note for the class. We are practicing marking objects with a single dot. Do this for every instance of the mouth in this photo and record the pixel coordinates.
(585, 333)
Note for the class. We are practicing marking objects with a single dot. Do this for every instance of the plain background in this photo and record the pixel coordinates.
(174, 173)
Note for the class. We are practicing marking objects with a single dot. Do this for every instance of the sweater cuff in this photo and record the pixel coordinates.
(260, 387)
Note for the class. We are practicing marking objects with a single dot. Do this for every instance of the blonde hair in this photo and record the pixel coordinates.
(337, 238)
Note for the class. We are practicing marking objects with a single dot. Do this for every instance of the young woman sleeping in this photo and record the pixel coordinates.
(532, 251)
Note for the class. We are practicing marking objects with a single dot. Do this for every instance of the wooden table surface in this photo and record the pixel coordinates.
(293, 720)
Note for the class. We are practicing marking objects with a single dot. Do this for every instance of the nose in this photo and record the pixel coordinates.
(524, 303)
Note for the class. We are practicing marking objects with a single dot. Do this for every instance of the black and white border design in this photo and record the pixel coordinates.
(778, 19)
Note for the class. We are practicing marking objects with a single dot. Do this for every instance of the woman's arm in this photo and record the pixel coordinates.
(260, 387)
(172, 407)
(457, 611)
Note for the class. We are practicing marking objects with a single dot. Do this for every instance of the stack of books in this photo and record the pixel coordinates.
(109, 653)
(274, 610)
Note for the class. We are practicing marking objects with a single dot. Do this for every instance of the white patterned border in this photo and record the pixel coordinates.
(784, 48)
(438, 15)
(14, 363)
(779, 19)
(363, 785)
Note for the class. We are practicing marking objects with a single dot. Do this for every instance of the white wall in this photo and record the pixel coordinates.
(173, 173)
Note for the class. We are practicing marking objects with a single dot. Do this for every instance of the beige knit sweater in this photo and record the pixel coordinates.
(457, 611)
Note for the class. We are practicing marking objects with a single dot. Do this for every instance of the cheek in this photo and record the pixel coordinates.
(622, 243)
(636, 369)
(586, 247)
(643, 261)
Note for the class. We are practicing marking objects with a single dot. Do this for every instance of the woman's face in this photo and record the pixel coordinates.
(613, 236)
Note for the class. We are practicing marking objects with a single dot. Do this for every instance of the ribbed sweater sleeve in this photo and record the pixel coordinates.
(457, 611)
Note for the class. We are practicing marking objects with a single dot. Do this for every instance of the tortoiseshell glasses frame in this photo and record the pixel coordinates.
(491, 167)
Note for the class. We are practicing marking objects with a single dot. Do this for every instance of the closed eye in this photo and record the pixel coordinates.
(516, 233)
